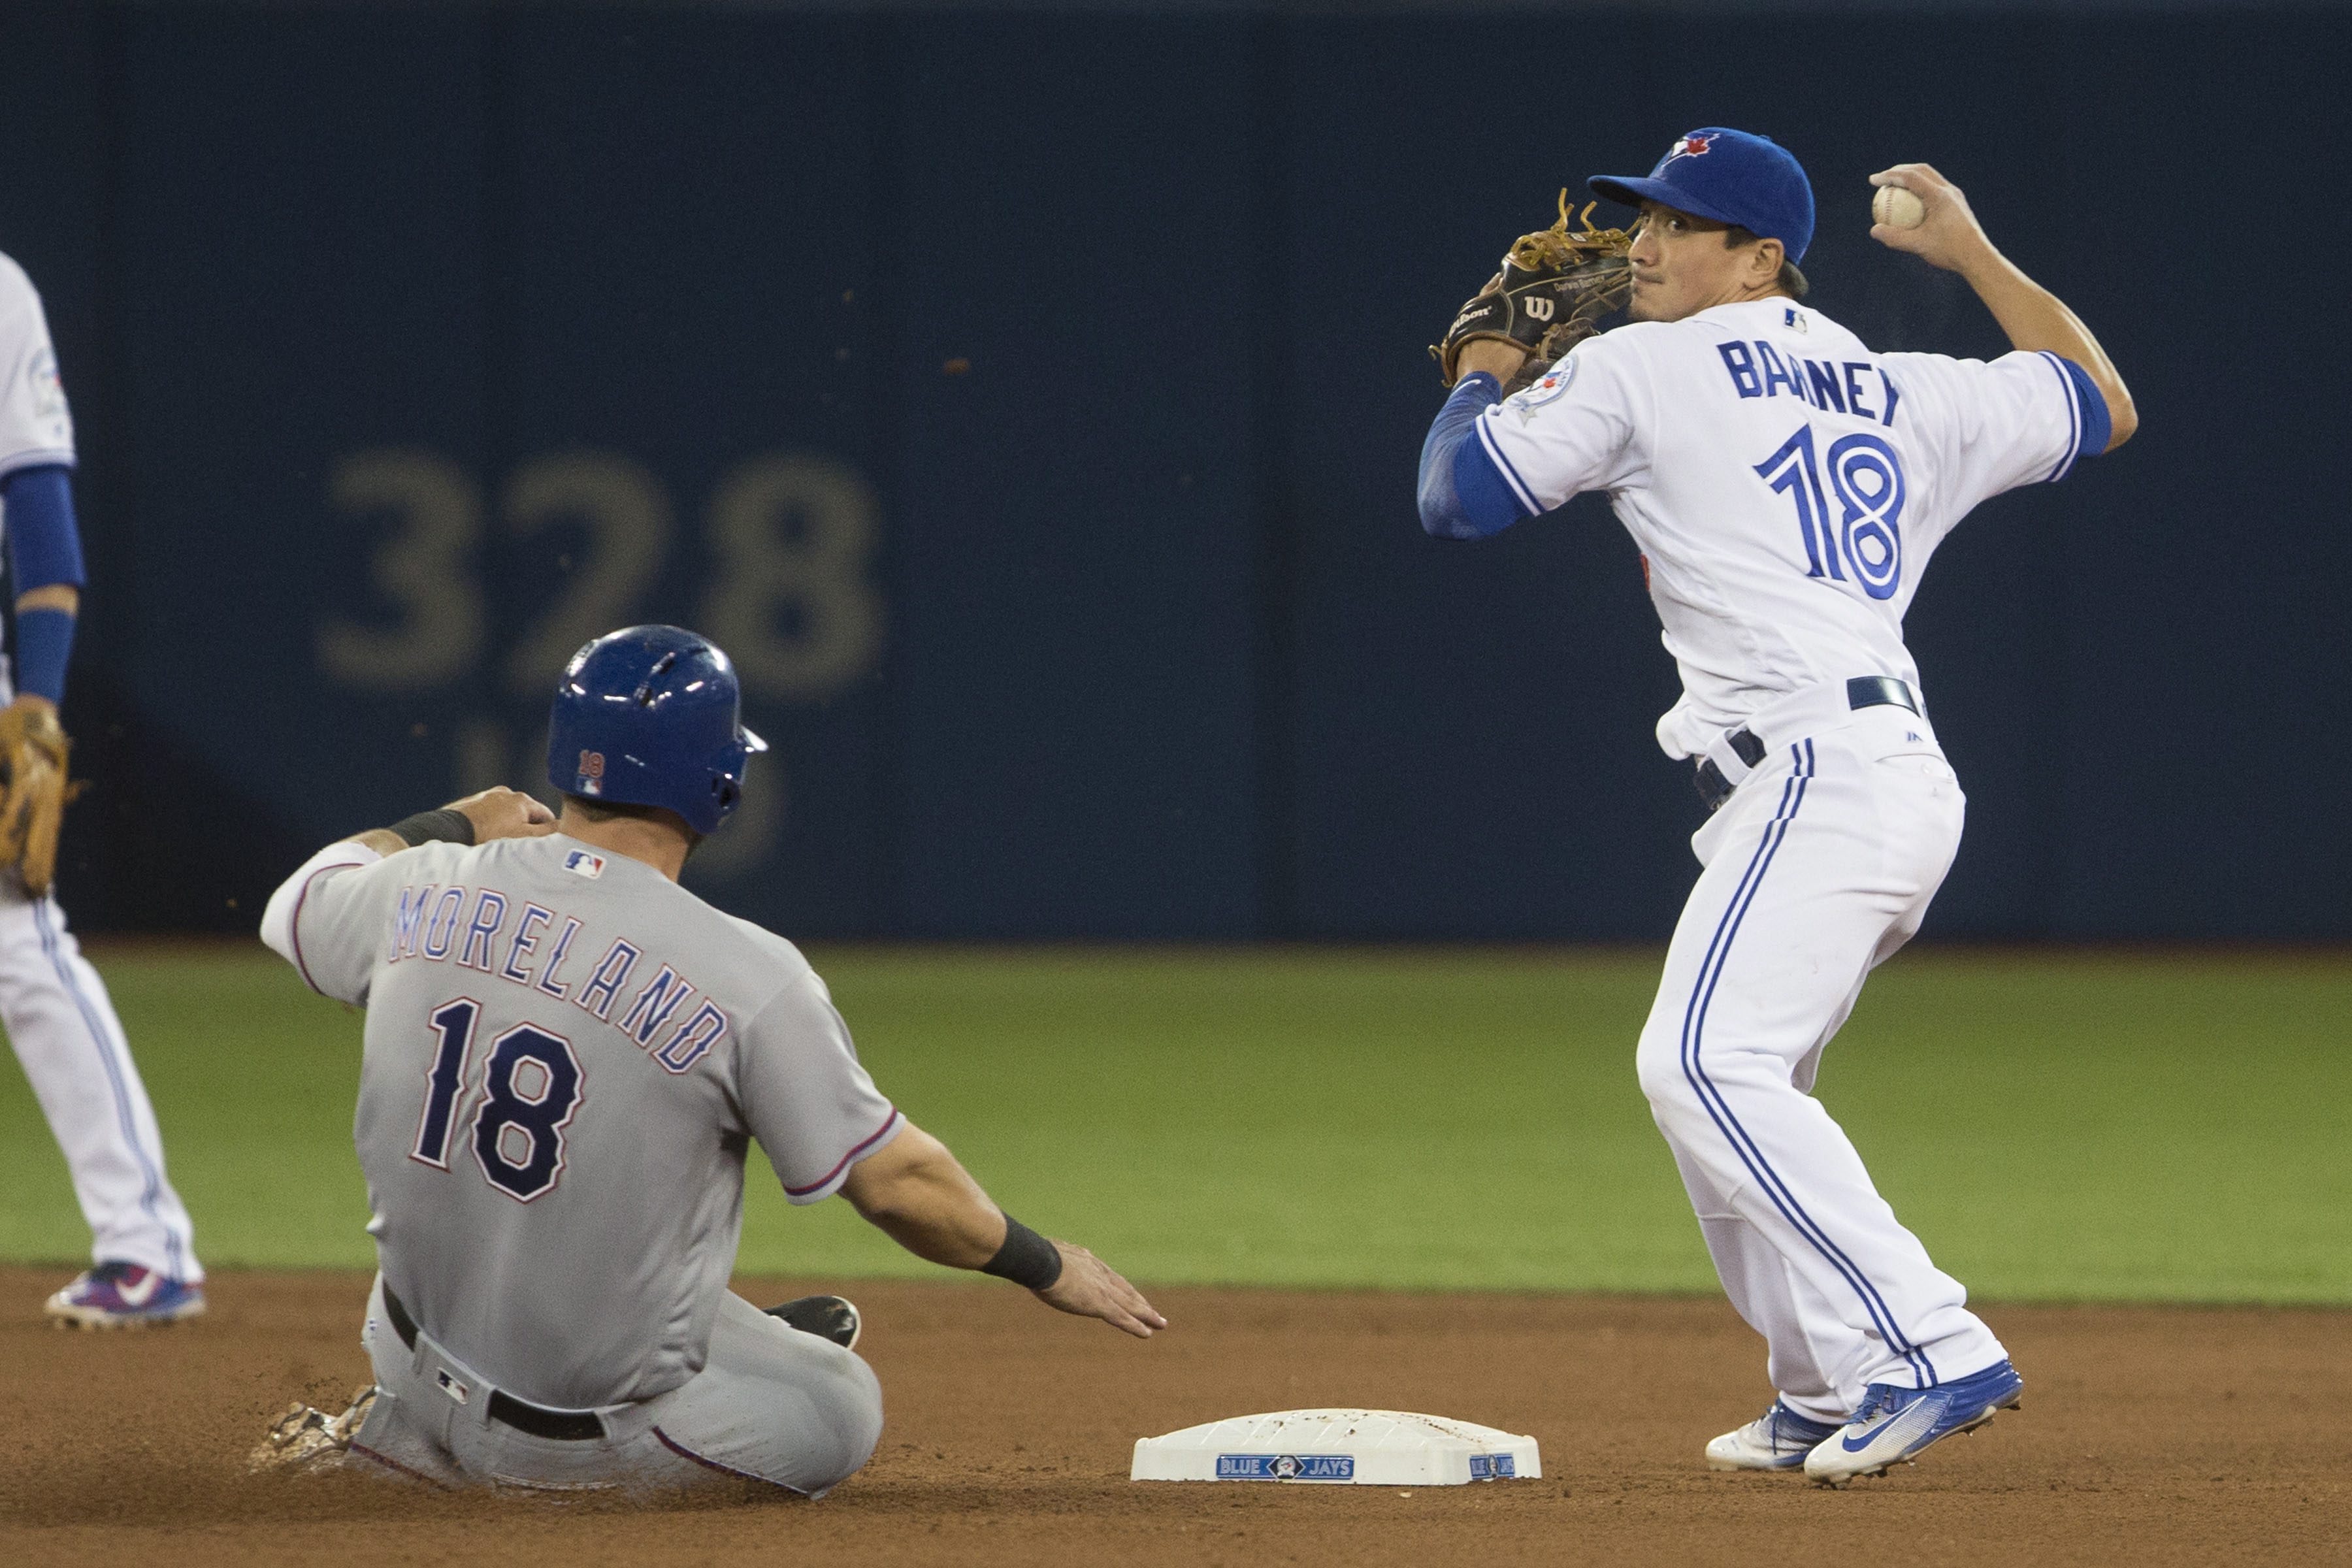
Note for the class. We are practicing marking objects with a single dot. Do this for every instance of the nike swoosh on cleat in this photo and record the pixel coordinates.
(1851, 1446)
(139, 1295)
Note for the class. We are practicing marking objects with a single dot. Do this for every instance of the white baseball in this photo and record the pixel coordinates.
(1897, 208)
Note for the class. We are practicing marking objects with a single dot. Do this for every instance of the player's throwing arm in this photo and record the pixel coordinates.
(1944, 231)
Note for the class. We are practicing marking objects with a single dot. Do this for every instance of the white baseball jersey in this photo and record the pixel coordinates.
(1786, 485)
(566, 1056)
(35, 426)
(52, 1002)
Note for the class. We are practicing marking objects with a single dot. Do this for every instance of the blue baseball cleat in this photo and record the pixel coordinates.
(124, 1295)
(1895, 1424)
(1777, 1440)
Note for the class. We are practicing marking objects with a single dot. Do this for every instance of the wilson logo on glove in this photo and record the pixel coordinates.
(1555, 286)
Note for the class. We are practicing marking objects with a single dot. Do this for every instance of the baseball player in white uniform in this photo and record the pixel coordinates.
(1786, 486)
(55, 1008)
(566, 1056)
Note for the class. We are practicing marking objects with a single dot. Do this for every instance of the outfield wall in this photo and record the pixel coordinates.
(1032, 402)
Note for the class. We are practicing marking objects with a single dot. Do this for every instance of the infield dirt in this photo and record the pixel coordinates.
(2148, 1436)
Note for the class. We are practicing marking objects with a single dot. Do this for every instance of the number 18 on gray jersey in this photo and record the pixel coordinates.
(566, 1058)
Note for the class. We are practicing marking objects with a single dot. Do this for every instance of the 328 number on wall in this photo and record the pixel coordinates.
(792, 535)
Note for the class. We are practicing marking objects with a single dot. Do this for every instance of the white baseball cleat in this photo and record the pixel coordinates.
(307, 1437)
(1777, 1440)
(1895, 1424)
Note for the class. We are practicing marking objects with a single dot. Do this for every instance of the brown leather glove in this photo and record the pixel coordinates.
(1555, 286)
(32, 793)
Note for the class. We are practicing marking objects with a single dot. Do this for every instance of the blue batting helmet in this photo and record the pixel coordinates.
(652, 716)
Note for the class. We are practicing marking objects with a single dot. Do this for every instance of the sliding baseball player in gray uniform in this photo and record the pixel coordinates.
(566, 1056)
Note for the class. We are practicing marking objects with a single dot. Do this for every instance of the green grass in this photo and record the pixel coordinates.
(2166, 1127)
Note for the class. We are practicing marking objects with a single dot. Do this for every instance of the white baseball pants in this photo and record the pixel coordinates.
(1818, 868)
(771, 1404)
(63, 1027)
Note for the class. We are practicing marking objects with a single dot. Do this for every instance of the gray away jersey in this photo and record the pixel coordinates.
(566, 1056)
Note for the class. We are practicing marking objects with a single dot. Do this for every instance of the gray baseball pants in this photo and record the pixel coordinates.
(771, 1404)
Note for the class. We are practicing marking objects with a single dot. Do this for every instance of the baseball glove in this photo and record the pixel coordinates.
(1555, 286)
(32, 793)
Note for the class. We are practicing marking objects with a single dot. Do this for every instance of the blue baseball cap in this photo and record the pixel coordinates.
(1731, 177)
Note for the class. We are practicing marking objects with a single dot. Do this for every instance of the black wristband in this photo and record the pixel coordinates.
(1026, 1258)
(450, 826)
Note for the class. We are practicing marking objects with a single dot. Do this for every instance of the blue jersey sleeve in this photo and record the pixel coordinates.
(1463, 494)
(43, 548)
(44, 544)
(2098, 425)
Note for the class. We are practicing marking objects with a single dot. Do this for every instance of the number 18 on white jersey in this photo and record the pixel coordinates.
(1785, 484)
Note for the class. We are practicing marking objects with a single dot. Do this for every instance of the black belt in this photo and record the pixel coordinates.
(562, 1426)
(1862, 692)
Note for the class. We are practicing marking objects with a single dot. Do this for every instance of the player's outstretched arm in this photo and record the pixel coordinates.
(1950, 237)
(916, 1191)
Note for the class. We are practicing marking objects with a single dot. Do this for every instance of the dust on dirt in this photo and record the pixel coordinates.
(2148, 1436)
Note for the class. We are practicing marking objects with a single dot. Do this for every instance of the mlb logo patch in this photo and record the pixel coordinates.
(580, 863)
(452, 1386)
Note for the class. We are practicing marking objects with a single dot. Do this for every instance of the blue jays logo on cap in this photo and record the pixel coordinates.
(1729, 177)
